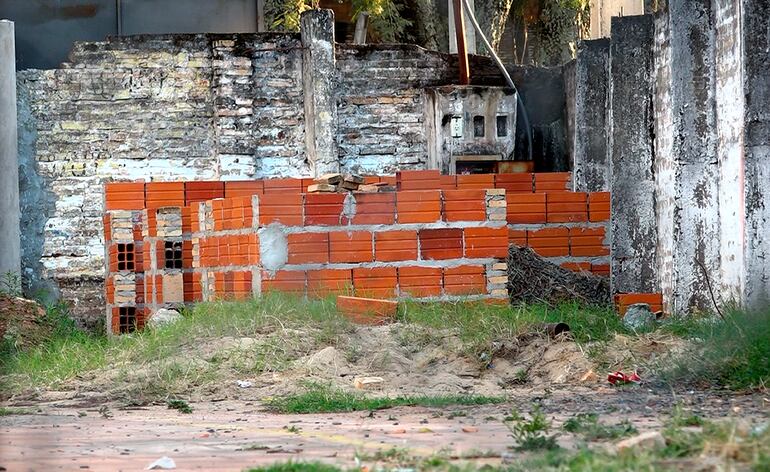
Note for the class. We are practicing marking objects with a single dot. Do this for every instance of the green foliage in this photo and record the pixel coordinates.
(385, 19)
(284, 15)
(560, 25)
(531, 434)
(588, 426)
(297, 467)
(180, 405)
(10, 284)
(733, 352)
(323, 399)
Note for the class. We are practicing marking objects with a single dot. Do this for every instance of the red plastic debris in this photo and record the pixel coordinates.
(619, 378)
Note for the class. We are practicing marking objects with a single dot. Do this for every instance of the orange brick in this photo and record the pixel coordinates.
(164, 194)
(600, 269)
(577, 266)
(598, 206)
(515, 183)
(441, 243)
(465, 280)
(624, 300)
(525, 208)
(307, 248)
(243, 188)
(552, 181)
(124, 195)
(379, 282)
(323, 209)
(280, 208)
(282, 186)
(367, 311)
(465, 205)
(588, 242)
(375, 208)
(420, 281)
(395, 246)
(566, 206)
(292, 281)
(448, 182)
(549, 242)
(486, 242)
(202, 191)
(350, 246)
(418, 206)
(324, 281)
(476, 181)
(418, 180)
(517, 237)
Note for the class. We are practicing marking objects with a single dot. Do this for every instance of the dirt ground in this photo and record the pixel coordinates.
(233, 435)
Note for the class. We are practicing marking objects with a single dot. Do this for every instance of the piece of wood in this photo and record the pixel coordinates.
(462, 48)
(368, 188)
(349, 185)
(368, 311)
(320, 188)
(331, 179)
(354, 178)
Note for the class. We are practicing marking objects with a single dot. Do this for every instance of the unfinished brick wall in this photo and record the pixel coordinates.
(436, 237)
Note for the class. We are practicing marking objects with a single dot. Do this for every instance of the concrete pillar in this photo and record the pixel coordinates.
(591, 167)
(696, 261)
(756, 63)
(318, 71)
(10, 242)
(632, 181)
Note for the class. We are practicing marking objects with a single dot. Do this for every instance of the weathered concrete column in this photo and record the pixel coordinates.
(756, 63)
(591, 171)
(10, 243)
(693, 160)
(318, 70)
(632, 181)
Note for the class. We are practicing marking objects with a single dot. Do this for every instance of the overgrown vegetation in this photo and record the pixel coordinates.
(531, 434)
(733, 353)
(588, 426)
(324, 399)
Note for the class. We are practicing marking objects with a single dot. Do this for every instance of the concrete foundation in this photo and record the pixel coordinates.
(10, 242)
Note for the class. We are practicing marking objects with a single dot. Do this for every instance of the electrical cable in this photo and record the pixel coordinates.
(504, 71)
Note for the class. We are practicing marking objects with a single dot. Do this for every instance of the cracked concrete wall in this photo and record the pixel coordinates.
(632, 179)
(756, 64)
(688, 186)
(591, 129)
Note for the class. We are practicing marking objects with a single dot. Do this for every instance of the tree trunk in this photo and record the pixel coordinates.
(429, 29)
(492, 16)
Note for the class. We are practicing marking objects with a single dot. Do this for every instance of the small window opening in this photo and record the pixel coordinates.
(456, 126)
(502, 126)
(478, 126)
(127, 319)
(173, 254)
(125, 256)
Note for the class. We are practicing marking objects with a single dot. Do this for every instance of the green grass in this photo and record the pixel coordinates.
(323, 399)
(8, 411)
(588, 426)
(479, 323)
(297, 467)
(272, 318)
(155, 365)
(733, 353)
